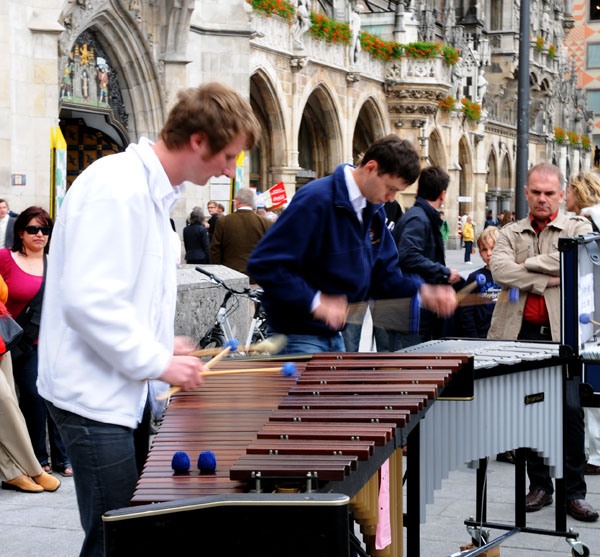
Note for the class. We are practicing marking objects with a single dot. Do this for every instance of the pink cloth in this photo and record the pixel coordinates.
(22, 286)
(383, 534)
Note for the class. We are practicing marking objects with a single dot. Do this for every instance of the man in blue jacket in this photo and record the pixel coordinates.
(421, 248)
(331, 247)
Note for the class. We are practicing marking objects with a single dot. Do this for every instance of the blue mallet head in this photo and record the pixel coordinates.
(289, 370)
(480, 278)
(513, 295)
(180, 462)
(233, 343)
(207, 462)
(585, 318)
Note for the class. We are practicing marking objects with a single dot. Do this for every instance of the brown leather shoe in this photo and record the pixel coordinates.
(591, 469)
(48, 482)
(537, 499)
(24, 484)
(580, 509)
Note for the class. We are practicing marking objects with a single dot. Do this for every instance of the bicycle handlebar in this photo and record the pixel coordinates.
(246, 292)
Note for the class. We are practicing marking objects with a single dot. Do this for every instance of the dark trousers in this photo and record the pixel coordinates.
(537, 471)
(25, 370)
(468, 250)
(104, 469)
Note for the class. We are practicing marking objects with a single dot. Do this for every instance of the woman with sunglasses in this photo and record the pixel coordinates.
(23, 269)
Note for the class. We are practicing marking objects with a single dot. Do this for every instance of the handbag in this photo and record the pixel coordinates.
(10, 330)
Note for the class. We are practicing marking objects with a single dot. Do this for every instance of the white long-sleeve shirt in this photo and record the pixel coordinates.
(109, 305)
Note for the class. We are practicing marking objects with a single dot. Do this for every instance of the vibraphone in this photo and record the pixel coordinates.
(518, 402)
(294, 458)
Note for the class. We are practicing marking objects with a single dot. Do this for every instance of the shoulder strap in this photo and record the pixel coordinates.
(36, 301)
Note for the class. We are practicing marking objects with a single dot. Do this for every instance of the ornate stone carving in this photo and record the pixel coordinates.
(352, 78)
(298, 62)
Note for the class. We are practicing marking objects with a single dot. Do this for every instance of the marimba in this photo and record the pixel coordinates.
(294, 457)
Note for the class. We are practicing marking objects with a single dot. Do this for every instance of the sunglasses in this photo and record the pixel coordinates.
(33, 230)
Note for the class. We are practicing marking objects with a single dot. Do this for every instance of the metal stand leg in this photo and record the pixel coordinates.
(413, 494)
(481, 495)
(520, 488)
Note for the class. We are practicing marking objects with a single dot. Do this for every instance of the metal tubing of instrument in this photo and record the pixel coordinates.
(520, 488)
(494, 543)
(413, 492)
(526, 530)
(560, 488)
(481, 491)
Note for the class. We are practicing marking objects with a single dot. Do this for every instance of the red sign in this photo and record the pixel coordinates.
(278, 195)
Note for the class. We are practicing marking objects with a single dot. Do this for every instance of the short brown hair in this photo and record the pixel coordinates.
(432, 182)
(214, 109)
(586, 189)
(488, 237)
(394, 156)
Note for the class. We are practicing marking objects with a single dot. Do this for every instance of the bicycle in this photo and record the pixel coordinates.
(221, 331)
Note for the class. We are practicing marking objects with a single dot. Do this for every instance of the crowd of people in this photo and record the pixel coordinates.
(99, 331)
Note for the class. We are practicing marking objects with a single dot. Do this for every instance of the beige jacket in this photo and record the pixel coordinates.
(525, 261)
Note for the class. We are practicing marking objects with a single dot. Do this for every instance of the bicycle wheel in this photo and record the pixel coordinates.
(214, 338)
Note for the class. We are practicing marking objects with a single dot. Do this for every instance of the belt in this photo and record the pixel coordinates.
(543, 330)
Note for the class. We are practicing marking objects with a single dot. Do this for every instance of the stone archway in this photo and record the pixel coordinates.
(505, 175)
(271, 149)
(319, 137)
(367, 129)
(465, 178)
(141, 105)
(437, 151)
(491, 179)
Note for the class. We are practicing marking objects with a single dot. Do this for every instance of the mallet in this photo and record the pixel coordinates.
(271, 345)
(209, 364)
(586, 318)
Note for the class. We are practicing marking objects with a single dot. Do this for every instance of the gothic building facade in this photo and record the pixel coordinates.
(107, 71)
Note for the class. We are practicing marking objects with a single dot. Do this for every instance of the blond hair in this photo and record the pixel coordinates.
(586, 189)
(488, 237)
(214, 109)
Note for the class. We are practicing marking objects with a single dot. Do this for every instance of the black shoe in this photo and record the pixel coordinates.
(508, 456)
(537, 499)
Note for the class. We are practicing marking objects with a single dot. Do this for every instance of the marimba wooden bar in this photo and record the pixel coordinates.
(289, 446)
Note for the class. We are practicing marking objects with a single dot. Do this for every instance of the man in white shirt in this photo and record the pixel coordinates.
(109, 305)
(7, 224)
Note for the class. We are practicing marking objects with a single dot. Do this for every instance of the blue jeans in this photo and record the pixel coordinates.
(309, 344)
(25, 371)
(104, 469)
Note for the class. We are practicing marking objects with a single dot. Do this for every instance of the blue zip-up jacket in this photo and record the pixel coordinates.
(318, 244)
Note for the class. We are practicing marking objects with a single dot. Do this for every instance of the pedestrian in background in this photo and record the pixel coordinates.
(444, 228)
(195, 239)
(468, 234)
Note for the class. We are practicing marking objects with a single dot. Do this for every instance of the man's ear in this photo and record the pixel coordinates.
(198, 141)
(372, 166)
(442, 196)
